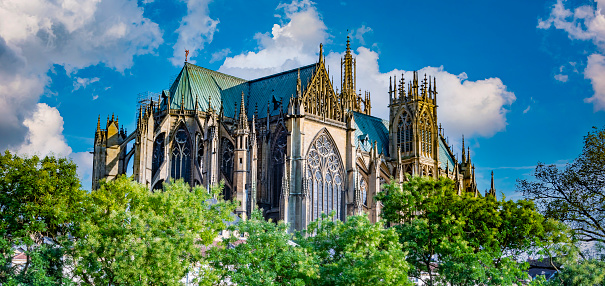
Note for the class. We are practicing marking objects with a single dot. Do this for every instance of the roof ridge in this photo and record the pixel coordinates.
(203, 69)
(283, 72)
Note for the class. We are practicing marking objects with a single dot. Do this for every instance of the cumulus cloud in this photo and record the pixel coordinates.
(45, 137)
(37, 34)
(289, 45)
(196, 30)
(45, 133)
(585, 22)
(595, 71)
(473, 108)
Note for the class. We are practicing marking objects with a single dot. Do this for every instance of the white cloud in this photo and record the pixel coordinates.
(360, 32)
(595, 71)
(220, 55)
(289, 45)
(196, 29)
(561, 77)
(584, 23)
(527, 109)
(37, 34)
(83, 82)
(45, 133)
(473, 108)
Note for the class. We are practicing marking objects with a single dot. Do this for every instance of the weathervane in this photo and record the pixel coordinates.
(186, 55)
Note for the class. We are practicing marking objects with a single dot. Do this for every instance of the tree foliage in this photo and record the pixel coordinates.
(40, 205)
(261, 252)
(133, 236)
(355, 252)
(574, 194)
(460, 239)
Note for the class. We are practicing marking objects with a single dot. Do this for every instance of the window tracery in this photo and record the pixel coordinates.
(404, 133)
(158, 154)
(278, 156)
(200, 152)
(426, 136)
(227, 159)
(181, 156)
(324, 177)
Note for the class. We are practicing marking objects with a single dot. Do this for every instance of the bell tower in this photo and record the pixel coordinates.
(413, 130)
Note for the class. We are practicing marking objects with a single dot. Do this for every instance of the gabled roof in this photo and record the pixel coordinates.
(369, 129)
(199, 84)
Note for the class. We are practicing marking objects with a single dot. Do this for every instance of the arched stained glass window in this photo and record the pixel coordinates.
(278, 156)
(181, 156)
(200, 152)
(404, 133)
(158, 154)
(324, 177)
(227, 159)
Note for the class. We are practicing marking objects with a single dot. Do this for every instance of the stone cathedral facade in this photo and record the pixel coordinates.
(290, 143)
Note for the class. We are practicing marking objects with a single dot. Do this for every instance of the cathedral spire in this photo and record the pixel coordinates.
(243, 118)
(492, 180)
(463, 150)
(321, 52)
(99, 124)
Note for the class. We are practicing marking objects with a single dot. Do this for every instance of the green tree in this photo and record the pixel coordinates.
(40, 205)
(575, 194)
(460, 239)
(355, 252)
(132, 236)
(261, 252)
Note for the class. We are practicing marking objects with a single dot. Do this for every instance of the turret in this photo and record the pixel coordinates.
(241, 160)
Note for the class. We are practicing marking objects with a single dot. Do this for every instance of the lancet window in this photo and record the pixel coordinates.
(426, 136)
(158, 154)
(363, 187)
(181, 156)
(200, 152)
(278, 155)
(227, 159)
(404, 133)
(325, 181)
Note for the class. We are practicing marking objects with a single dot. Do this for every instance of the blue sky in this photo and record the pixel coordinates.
(522, 80)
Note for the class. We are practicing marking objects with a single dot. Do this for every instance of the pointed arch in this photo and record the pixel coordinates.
(277, 160)
(158, 154)
(325, 176)
(181, 154)
(405, 132)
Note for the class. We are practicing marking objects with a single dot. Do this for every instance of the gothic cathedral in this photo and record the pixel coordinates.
(289, 143)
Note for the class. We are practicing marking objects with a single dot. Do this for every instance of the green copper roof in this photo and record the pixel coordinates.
(280, 86)
(370, 129)
(444, 156)
(204, 86)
